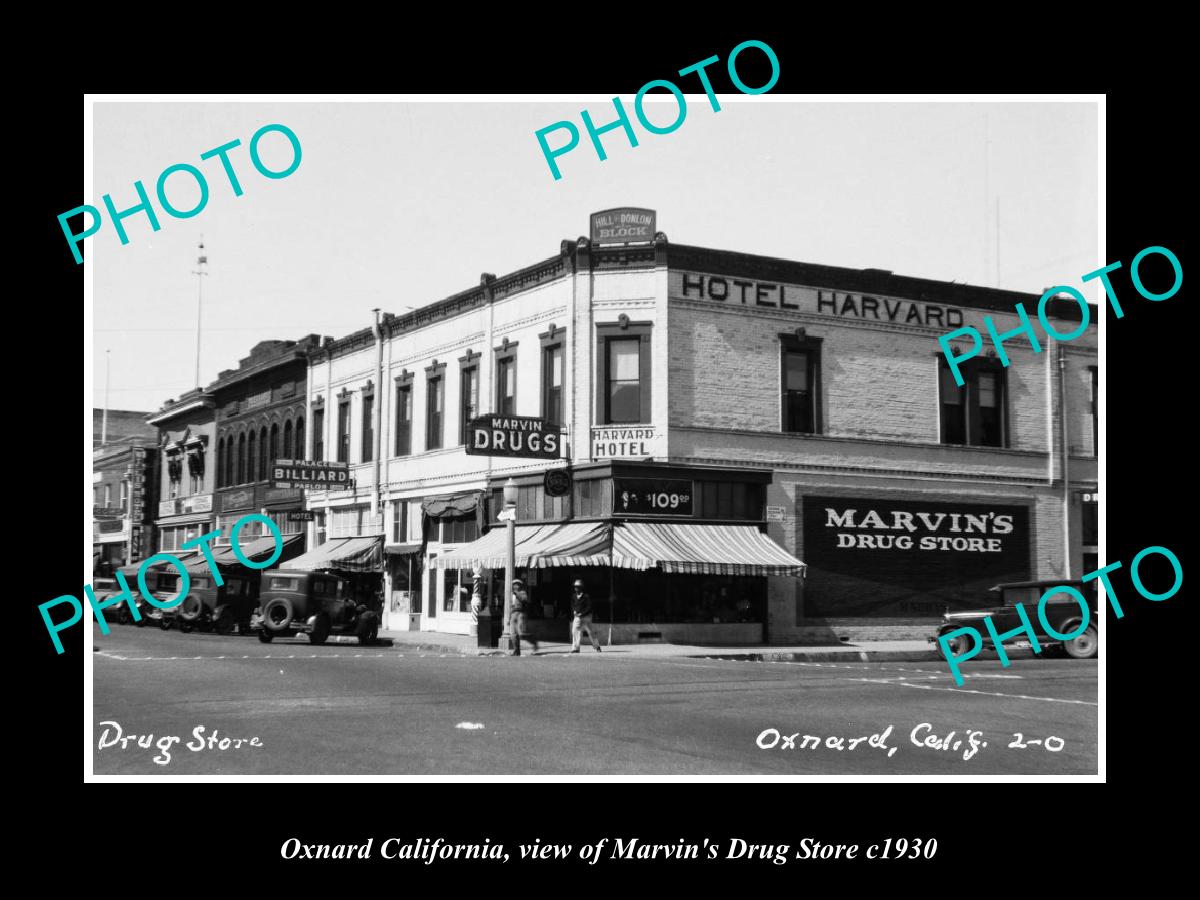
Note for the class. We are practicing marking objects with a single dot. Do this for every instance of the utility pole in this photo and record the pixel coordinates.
(200, 272)
(104, 414)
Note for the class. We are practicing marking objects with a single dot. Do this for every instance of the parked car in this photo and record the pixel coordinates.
(212, 608)
(1063, 614)
(312, 603)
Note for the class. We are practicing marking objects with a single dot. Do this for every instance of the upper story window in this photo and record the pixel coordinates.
(1095, 372)
(251, 457)
(552, 378)
(468, 399)
(623, 380)
(124, 496)
(368, 423)
(976, 413)
(404, 415)
(318, 418)
(343, 431)
(800, 384)
(435, 396)
(300, 437)
(506, 379)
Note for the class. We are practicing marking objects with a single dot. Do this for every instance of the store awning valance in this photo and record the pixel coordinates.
(401, 549)
(451, 505)
(537, 546)
(258, 550)
(701, 550)
(355, 554)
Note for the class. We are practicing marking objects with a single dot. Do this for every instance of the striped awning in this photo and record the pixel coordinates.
(537, 546)
(701, 550)
(355, 554)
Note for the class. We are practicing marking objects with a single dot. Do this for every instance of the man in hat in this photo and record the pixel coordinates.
(581, 605)
(516, 624)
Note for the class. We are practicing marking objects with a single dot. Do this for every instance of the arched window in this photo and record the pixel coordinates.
(287, 439)
(229, 471)
(300, 439)
(275, 441)
(241, 459)
(251, 459)
(264, 461)
(221, 463)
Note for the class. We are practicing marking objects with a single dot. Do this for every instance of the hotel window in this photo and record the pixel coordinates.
(1095, 372)
(404, 414)
(506, 379)
(800, 381)
(399, 521)
(368, 430)
(552, 383)
(434, 413)
(319, 434)
(468, 399)
(623, 379)
(343, 430)
(974, 414)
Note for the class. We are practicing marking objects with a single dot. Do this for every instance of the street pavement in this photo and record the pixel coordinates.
(353, 710)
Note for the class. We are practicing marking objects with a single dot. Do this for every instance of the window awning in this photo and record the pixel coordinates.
(259, 550)
(537, 546)
(452, 505)
(701, 550)
(400, 549)
(355, 554)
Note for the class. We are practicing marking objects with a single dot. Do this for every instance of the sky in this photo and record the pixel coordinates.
(399, 204)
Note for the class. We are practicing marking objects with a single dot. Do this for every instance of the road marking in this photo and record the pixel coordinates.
(930, 687)
(469, 726)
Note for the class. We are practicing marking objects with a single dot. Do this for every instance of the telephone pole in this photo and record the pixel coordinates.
(199, 272)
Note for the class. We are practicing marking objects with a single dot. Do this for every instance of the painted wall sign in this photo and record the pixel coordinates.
(524, 436)
(237, 499)
(886, 557)
(295, 473)
(652, 496)
(741, 292)
(623, 225)
(622, 441)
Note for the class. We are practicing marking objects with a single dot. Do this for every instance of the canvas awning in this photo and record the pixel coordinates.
(701, 550)
(401, 549)
(354, 554)
(259, 550)
(537, 546)
(189, 558)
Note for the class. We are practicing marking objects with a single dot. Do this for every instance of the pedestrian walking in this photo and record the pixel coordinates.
(516, 623)
(581, 606)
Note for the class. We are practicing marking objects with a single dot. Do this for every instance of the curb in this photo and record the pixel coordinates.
(829, 656)
(351, 639)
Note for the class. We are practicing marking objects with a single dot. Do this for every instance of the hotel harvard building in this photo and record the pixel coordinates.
(751, 449)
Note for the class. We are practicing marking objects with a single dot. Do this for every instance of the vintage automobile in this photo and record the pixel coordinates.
(212, 608)
(312, 603)
(1063, 613)
(161, 581)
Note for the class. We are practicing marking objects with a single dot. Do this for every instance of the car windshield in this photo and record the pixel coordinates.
(1026, 596)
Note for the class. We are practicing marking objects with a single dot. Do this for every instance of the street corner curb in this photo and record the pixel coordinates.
(830, 656)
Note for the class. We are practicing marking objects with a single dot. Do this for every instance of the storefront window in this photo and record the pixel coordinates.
(457, 590)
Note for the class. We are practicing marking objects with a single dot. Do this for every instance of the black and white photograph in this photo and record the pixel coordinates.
(534, 437)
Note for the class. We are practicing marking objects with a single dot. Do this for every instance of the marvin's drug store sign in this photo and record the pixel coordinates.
(898, 558)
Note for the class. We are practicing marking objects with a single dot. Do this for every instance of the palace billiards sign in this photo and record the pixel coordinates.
(303, 473)
(496, 435)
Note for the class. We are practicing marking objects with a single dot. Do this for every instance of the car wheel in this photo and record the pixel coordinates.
(164, 623)
(186, 627)
(320, 629)
(277, 615)
(959, 644)
(191, 609)
(223, 622)
(124, 616)
(265, 636)
(367, 628)
(1086, 646)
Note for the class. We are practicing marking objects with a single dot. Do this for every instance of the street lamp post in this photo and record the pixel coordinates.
(509, 515)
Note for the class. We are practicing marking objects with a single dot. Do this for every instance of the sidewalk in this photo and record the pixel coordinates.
(863, 651)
